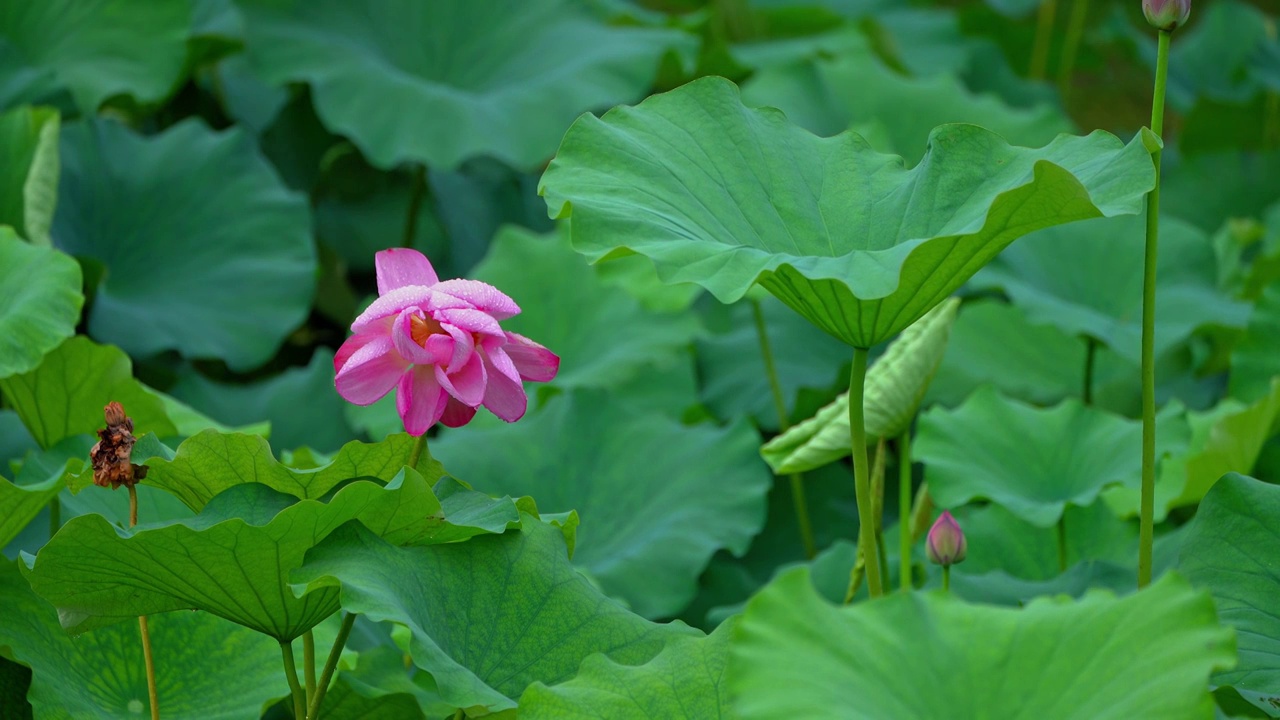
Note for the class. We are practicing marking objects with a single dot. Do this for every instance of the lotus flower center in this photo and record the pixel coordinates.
(423, 327)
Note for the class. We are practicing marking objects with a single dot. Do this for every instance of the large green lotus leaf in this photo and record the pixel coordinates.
(656, 498)
(206, 667)
(100, 48)
(993, 343)
(1226, 438)
(65, 395)
(20, 503)
(39, 302)
(380, 678)
(894, 387)
(1255, 359)
(29, 180)
(210, 462)
(602, 334)
(685, 680)
(203, 246)
(1210, 188)
(1146, 655)
(1033, 461)
(731, 371)
(847, 237)
(827, 94)
(1086, 279)
(1230, 551)
(231, 560)
(442, 82)
(529, 615)
(999, 540)
(301, 403)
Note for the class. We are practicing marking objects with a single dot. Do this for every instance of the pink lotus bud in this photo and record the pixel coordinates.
(1167, 14)
(946, 544)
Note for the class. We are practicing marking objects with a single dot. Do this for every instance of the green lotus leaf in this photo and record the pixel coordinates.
(656, 498)
(1227, 438)
(1035, 462)
(791, 657)
(1212, 58)
(98, 48)
(211, 462)
(845, 236)
(301, 403)
(29, 182)
(39, 302)
(206, 667)
(231, 560)
(733, 381)
(894, 388)
(530, 616)
(380, 678)
(998, 540)
(443, 82)
(19, 504)
(1226, 553)
(1209, 188)
(65, 395)
(685, 680)
(202, 244)
(993, 343)
(1254, 361)
(1086, 279)
(828, 93)
(553, 285)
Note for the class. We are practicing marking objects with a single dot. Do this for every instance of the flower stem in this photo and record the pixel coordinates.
(904, 509)
(1062, 541)
(419, 447)
(148, 660)
(1071, 46)
(1090, 358)
(309, 662)
(946, 578)
(877, 509)
(784, 422)
(331, 664)
(862, 472)
(1044, 35)
(291, 674)
(417, 193)
(1146, 526)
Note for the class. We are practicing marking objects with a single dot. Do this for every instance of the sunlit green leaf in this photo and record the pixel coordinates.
(39, 302)
(203, 246)
(29, 180)
(1032, 461)
(506, 641)
(845, 236)
(442, 82)
(65, 395)
(895, 385)
(1149, 654)
(206, 667)
(1226, 551)
(656, 498)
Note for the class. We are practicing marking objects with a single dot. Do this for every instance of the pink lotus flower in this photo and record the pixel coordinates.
(438, 344)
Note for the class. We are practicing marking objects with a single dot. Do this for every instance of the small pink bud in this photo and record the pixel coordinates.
(945, 544)
(1167, 14)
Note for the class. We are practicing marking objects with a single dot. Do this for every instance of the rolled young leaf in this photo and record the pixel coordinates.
(725, 196)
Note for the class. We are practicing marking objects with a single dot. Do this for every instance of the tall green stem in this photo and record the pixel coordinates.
(419, 446)
(904, 509)
(1044, 35)
(331, 664)
(1146, 526)
(309, 662)
(417, 194)
(1071, 46)
(780, 406)
(148, 660)
(946, 578)
(291, 674)
(862, 472)
(1090, 359)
